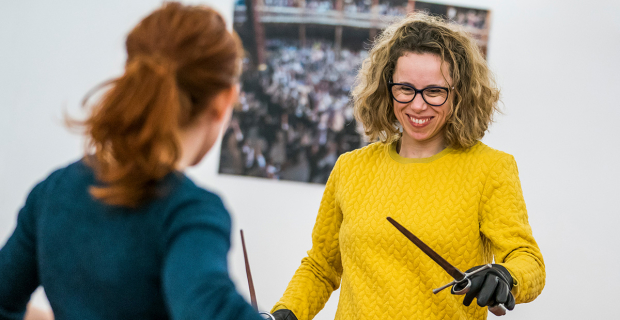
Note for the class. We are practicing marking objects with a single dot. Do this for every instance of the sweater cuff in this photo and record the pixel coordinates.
(515, 282)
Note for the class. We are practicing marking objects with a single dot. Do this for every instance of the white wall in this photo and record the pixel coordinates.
(557, 64)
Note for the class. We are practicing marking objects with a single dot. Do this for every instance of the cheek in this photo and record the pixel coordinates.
(446, 110)
(443, 114)
(397, 108)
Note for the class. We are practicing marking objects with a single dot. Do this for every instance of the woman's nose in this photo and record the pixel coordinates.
(418, 104)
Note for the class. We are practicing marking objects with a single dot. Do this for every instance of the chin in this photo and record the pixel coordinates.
(418, 137)
(424, 136)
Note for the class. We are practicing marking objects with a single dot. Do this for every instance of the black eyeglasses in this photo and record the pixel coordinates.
(405, 93)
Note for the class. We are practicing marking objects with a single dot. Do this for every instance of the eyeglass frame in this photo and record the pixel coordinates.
(416, 91)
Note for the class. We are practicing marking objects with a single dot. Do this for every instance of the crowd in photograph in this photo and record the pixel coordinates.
(468, 17)
(320, 6)
(463, 16)
(295, 116)
(386, 7)
(392, 8)
(281, 3)
(357, 6)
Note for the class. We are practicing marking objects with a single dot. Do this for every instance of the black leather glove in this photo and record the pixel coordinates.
(284, 314)
(490, 287)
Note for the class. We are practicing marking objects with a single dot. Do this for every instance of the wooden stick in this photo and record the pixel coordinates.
(249, 273)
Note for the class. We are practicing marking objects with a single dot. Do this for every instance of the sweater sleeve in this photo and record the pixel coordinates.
(18, 262)
(505, 223)
(195, 277)
(320, 272)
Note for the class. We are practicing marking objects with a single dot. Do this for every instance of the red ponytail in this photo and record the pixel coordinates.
(179, 57)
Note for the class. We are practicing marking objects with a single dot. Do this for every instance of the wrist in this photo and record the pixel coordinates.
(284, 314)
(506, 275)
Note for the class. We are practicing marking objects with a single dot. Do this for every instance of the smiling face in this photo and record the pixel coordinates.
(422, 123)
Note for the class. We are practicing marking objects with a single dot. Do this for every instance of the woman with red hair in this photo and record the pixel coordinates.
(123, 233)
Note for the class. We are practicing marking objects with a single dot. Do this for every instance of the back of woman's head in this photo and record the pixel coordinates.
(475, 92)
(178, 59)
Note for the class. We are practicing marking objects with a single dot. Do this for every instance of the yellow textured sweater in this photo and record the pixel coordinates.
(466, 205)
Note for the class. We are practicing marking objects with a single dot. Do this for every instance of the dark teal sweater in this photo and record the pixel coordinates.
(166, 260)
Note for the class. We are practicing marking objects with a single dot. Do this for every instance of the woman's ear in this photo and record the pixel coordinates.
(224, 101)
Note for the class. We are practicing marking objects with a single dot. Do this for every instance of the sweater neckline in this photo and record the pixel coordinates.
(400, 159)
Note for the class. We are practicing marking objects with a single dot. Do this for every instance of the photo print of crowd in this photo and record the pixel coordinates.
(295, 115)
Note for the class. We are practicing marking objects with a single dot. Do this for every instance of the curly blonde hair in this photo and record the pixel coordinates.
(475, 93)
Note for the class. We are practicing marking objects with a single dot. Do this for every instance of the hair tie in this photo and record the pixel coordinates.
(159, 64)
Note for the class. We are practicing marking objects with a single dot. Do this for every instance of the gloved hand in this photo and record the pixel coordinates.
(284, 314)
(490, 287)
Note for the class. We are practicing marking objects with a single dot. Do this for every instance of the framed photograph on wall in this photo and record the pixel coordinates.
(295, 114)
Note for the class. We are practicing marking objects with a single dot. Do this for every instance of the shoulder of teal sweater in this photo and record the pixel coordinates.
(46, 188)
(188, 205)
(183, 191)
(61, 175)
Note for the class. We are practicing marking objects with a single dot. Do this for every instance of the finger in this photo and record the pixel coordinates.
(488, 290)
(474, 289)
(468, 299)
(501, 293)
(510, 304)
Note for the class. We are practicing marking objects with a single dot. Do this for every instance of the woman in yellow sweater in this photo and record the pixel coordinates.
(426, 93)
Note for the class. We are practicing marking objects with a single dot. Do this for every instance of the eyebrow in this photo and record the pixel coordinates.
(432, 85)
